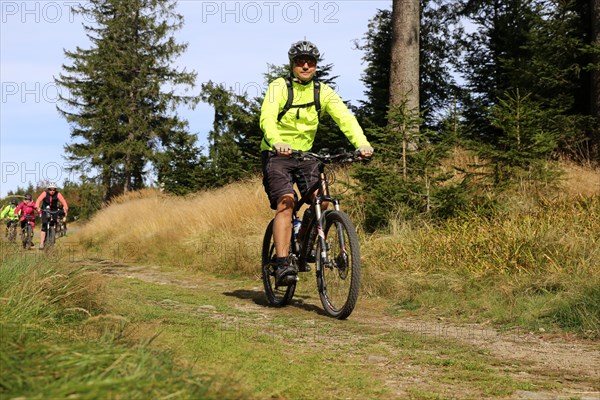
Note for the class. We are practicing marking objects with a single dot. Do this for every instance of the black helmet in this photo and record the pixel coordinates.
(28, 196)
(304, 48)
(14, 201)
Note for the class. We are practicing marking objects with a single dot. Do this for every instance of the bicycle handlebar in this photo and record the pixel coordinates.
(327, 158)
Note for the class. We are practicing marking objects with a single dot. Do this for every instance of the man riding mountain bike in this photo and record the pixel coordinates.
(8, 214)
(49, 199)
(289, 119)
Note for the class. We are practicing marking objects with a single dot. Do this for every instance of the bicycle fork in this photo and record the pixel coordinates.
(323, 245)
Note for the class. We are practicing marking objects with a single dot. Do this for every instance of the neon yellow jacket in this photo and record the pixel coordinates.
(300, 132)
(9, 212)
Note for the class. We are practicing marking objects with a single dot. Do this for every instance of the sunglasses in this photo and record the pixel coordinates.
(299, 62)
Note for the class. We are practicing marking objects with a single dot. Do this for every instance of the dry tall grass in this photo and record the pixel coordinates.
(222, 230)
(218, 231)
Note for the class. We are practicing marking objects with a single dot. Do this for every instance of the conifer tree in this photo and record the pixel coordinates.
(235, 123)
(536, 46)
(123, 91)
(526, 141)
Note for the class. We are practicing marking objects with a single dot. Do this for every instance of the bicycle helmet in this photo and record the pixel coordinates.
(28, 196)
(14, 202)
(303, 48)
(52, 185)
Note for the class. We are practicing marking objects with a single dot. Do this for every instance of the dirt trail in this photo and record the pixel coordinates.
(572, 364)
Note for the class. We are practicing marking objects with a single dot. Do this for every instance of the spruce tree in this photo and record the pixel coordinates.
(232, 152)
(123, 91)
(538, 47)
(525, 144)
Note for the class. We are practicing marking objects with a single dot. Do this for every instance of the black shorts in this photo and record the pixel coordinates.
(281, 172)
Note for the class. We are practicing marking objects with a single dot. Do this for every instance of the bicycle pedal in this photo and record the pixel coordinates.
(304, 267)
(288, 280)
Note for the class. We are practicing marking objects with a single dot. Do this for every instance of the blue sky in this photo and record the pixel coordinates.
(229, 42)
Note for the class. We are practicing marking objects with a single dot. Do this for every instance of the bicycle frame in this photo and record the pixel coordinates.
(321, 187)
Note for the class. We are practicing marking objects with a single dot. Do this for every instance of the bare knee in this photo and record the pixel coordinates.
(285, 204)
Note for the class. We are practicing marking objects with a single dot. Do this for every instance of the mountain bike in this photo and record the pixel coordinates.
(51, 222)
(27, 231)
(327, 238)
(11, 230)
(61, 227)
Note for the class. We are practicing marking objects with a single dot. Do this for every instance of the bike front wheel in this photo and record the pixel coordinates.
(338, 265)
(27, 237)
(12, 233)
(51, 237)
(276, 295)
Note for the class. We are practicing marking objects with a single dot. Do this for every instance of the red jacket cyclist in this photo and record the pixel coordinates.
(26, 211)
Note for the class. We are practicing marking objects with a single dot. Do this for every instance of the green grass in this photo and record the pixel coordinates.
(57, 343)
(69, 332)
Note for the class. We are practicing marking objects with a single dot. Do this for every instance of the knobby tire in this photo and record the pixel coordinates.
(12, 233)
(339, 281)
(27, 236)
(50, 237)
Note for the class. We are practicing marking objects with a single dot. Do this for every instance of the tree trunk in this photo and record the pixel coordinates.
(404, 69)
(595, 77)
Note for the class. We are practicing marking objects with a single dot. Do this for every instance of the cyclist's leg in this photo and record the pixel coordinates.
(282, 227)
(277, 180)
(22, 224)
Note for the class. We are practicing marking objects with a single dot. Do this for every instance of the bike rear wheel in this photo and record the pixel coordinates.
(338, 266)
(276, 295)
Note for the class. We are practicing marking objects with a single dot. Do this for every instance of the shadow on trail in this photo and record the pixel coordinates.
(258, 297)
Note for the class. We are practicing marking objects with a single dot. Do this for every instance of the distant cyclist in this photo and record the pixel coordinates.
(289, 119)
(49, 199)
(26, 211)
(8, 214)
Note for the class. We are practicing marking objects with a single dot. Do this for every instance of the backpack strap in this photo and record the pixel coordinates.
(317, 102)
(290, 98)
(288, 104)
